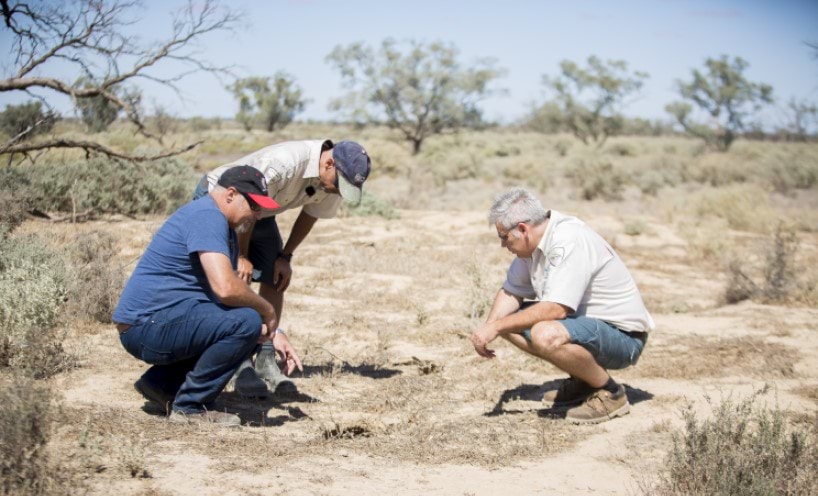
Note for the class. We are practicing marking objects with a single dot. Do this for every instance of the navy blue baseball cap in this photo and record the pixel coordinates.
(353, 164)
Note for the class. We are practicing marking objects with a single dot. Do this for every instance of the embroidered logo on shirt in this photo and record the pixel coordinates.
(556, 256)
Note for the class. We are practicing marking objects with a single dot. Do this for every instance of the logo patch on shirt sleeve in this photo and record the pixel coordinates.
(556, 256)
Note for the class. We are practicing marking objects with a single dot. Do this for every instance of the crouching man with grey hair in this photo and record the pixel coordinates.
(584, 315)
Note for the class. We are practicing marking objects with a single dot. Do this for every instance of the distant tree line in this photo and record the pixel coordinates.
(419, 89)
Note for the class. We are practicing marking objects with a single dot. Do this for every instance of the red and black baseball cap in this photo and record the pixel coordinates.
(251, 182)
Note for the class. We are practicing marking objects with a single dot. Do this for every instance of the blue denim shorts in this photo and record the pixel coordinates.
(265, 242)
(611, 347)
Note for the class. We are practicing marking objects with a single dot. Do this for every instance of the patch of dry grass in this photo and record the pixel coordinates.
(697, 357)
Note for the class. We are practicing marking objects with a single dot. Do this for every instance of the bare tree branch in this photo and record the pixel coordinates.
(91, 147)
(88, 36)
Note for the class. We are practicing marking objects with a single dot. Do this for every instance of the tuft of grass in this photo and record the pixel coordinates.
(95, 283)
(781, 276)
(742, 449)
(479, 300)
(26, 466)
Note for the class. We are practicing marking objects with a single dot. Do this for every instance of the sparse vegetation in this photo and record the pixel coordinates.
(372, 205)
(96, 281)
(33, 285)
(97, 186)
(27, 466)
(743, 448)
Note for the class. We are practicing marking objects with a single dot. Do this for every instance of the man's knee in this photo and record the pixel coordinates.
(247, 323)
(548, 337)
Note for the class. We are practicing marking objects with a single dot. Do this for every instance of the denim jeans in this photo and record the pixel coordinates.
(195, 348)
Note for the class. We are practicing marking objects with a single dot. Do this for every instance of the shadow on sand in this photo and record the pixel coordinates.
(528, 397)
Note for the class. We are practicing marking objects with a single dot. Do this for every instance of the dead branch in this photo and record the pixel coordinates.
(87, 35)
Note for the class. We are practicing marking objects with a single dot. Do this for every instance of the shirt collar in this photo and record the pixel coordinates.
(542, 246)
(315, 156)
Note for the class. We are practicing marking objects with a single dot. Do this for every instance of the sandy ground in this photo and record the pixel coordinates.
(393, 398)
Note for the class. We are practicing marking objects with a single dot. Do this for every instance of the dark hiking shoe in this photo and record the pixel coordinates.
(602, 405)
(158, 398)
(249, 384)
(205, 417)
(572, 391)
(267, 368)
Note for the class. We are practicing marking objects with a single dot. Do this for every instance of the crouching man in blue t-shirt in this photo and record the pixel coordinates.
(186, 312)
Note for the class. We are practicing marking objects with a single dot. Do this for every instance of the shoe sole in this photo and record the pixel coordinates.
(622, 410)
(253, 394)
(561, 404)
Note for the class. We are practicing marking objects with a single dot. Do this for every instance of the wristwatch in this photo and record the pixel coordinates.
(286, 256)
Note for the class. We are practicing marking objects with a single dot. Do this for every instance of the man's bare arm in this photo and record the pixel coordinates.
(525, 319)
(231, 290)
(301, 228)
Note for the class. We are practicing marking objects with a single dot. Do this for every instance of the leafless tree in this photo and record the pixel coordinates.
(89, 37)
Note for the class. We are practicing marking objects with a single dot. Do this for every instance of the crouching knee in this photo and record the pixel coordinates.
(248, 323)
(548, 337)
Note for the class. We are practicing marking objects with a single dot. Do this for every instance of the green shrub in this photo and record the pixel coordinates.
(622, 149)
(528, 172)
(33, 287)
(13, 202)
(744, 207)
(598, 179)
(16, 119)
(107, 186)
(26, 466)
(742, 450)
(794, 174)
(372, 206)
(740, 286)
(780, 275)
(782, 279)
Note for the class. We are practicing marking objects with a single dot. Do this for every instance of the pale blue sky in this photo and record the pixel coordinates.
(665, 38)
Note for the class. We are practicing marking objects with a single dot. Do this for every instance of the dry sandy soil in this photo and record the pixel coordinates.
(393, 398)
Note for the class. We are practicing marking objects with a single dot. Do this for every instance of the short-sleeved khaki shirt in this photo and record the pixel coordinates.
(291, 170)
(575, 267)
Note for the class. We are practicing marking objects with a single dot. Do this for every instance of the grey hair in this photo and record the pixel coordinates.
(514, 206)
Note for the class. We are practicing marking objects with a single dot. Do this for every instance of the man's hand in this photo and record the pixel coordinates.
(245, 269)
(265, 335)
(481, 338)
(286, 354)
(282, 272)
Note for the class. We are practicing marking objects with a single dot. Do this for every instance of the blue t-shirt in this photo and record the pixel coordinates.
(170, 271)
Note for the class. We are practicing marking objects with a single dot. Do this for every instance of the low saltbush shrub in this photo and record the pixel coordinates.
(104, 186)
(742, 449)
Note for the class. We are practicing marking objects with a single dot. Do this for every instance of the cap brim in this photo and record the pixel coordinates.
(264, 201)
(349, 191)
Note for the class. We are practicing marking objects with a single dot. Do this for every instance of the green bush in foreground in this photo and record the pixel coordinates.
(33, 287)
(743, 449)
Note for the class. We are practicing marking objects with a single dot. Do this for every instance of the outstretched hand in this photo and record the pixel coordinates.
(481, 338)
(282, 272)
(286, 354)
